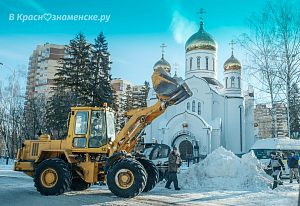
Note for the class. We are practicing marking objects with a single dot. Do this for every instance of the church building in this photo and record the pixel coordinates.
(217, 114)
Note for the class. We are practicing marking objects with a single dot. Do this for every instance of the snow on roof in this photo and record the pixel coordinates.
(277, 144)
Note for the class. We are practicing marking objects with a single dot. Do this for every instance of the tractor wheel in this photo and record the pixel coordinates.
(152, 172)
(126, 178)
(79, 184)
(52, 177)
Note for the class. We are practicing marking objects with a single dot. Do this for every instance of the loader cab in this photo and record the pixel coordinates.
(91, 128)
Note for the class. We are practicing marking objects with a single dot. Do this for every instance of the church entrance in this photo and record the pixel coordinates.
(186, 150)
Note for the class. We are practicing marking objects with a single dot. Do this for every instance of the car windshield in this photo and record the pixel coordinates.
(98, 129)
(263, 153)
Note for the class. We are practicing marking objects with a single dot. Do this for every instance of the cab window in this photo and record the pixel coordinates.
(110, 126)
(98, 135)
(81, 123)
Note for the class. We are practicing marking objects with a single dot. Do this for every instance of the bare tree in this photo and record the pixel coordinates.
(11, 116)
(261, 49)
(35, 115)
(273, 46)
(287, 20)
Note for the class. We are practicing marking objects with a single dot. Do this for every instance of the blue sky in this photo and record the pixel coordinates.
(135, 30)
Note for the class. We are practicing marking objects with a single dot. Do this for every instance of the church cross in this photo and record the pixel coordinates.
(163, 46)
(201, 12)
(232, 43)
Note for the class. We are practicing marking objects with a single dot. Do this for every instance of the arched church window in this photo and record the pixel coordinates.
(239, 82)
(188, 106)
(191, 63)
(232, 82)
(186, 64)
(193, 106)
(199, 108)
(206, 63)
(198, 62)
(226, 82)
(213, 63)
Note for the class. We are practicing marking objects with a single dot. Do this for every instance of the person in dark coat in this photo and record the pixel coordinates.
(276, 165)
(174, 164)
(293, 165)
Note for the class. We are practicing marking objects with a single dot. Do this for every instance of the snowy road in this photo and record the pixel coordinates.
(17, 189)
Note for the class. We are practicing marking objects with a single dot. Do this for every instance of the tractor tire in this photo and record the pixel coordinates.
(152, 172)
(52, 177)
(79, 184)
(127, 178)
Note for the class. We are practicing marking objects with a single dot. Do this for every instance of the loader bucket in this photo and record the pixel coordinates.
(171, 89)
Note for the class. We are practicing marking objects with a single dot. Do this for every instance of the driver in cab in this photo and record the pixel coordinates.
(96, 133)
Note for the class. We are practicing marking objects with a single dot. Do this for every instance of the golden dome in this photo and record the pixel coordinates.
(232, 64)
(162, 63)
(201, 40)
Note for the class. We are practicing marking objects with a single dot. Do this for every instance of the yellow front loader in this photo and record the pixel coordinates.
(91, 153)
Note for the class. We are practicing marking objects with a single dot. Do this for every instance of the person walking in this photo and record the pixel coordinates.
(276, 165)
(293, 165)
(174, 164)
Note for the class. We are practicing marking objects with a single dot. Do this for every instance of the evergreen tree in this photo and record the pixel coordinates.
(58, 109)
(128, 99)
(295, 112)
(74, 73)
(125, 103)
(83, 78)
(100, 84)
(144, 94)
(118, 111)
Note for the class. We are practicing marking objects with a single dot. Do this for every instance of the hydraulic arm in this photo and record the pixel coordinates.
(170, 91)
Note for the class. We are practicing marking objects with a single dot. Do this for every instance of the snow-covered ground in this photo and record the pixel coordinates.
(221, 179)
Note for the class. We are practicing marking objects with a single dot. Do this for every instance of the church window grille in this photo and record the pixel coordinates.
(226, 82)
(199, 108)
(206, 61)
(239, 82)
(232, 82)
(198, 62)
(188, 105)
(193, 106)
(191, 63)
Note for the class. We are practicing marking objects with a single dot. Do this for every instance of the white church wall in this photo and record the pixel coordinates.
(249, 122)
(201, 94)
(232, 80)
(234, 127)
(204, 69)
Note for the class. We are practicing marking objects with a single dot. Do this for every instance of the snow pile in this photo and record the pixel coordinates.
(224, 170)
